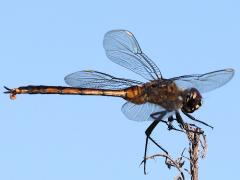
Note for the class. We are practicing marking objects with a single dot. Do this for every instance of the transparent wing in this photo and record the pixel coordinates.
(98, 80)
(142, 112)
(205, 82)
(122, 48)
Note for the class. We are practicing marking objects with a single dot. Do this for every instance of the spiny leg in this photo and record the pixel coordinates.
(184, 126)
(170, 126)
(180, 120)
(157, 116)
(194, 119)
(148, 133)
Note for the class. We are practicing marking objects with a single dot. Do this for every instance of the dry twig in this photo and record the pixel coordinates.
(197, 144)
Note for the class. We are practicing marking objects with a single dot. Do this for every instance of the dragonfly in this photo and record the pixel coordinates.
(158, 99)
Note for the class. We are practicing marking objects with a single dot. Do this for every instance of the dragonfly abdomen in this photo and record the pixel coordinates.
(136, 94)
(63, 91)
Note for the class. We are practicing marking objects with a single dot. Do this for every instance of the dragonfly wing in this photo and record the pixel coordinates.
(98, 80)
(142, 112)
(122, 48)
(205, 82)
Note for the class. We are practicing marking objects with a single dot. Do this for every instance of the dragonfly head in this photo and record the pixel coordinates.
(192, 100)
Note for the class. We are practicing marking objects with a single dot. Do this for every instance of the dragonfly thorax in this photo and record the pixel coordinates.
(192, 100)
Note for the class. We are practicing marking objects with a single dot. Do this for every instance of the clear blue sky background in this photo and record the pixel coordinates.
(75, 137)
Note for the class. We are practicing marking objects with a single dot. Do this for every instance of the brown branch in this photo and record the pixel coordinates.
(194, 141)
(175, 163)
(194, 136)
(196, 145)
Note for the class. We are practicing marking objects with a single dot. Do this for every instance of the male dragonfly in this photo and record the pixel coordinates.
(155, 100)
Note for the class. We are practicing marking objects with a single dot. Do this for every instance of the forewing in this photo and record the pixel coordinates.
(122, 48)
(142, 112)
(98, 80)
(205, 82)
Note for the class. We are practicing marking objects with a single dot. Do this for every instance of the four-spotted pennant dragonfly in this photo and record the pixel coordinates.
(155, 100)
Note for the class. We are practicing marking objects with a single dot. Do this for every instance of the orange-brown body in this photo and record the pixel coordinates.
(63, 91)
(162, 92)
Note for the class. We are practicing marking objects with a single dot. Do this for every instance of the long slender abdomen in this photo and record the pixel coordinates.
(63, 91)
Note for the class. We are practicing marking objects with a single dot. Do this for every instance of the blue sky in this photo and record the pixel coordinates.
(80, 137)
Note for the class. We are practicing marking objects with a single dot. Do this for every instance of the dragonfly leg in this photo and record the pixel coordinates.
(184, 126)
(168, 122)
(170, 126)
(180, 120)
(194, 119)
(148, 133)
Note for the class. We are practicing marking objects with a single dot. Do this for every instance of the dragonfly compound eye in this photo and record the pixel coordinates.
(192, 101)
